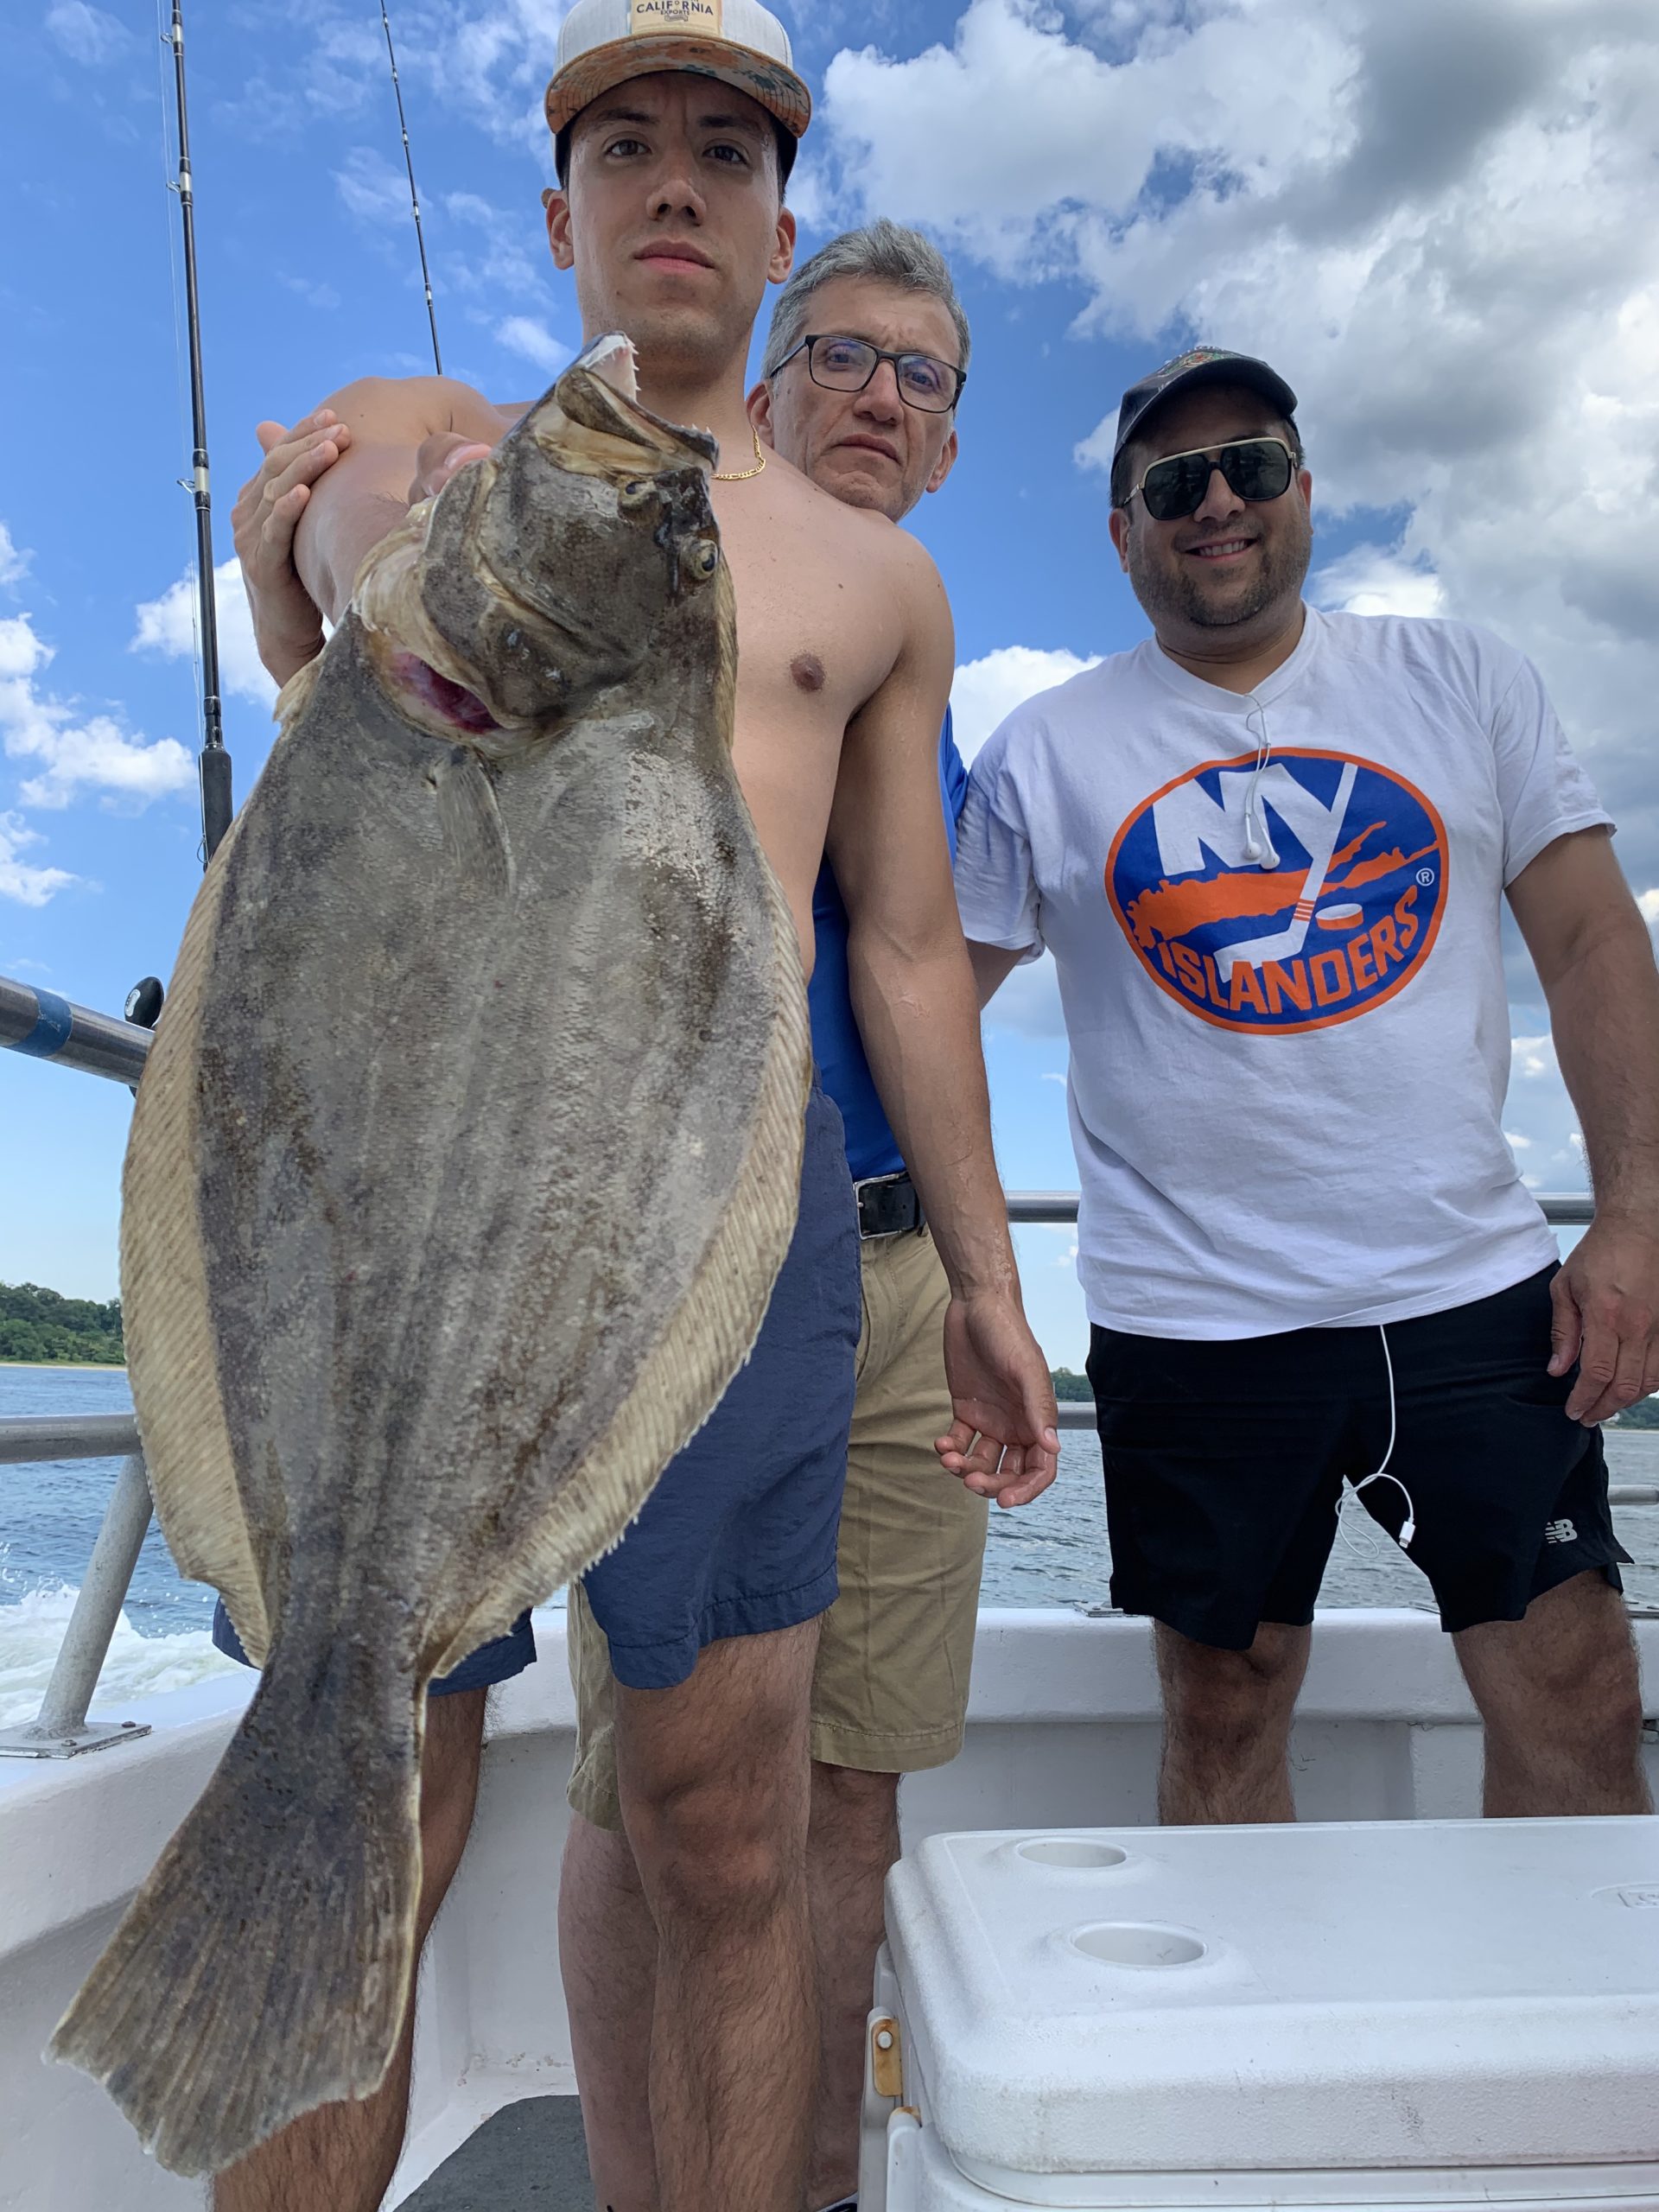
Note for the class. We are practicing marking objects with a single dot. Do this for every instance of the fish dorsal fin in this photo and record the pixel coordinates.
(296, 695)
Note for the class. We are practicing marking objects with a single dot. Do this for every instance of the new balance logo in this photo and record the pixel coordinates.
(1559, 1532)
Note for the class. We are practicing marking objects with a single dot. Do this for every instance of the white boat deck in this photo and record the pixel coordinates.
(1064, 1733)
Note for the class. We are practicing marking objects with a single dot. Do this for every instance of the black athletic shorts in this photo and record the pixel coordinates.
(1225, 1464)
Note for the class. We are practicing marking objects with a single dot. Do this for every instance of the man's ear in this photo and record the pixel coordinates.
(1119, 526)
(758, 408)
(945, 463)
(557, 205)
(782, 248)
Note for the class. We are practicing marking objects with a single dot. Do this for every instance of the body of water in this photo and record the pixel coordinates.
(1052, 1553)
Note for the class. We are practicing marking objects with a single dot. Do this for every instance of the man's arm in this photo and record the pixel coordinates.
(912, 993)
(332, 488)
(1595, 961)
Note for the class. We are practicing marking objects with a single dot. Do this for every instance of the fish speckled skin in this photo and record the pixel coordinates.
(465, 1160)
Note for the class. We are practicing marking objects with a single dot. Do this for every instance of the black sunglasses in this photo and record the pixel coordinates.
(1256, 469)
(847, 364)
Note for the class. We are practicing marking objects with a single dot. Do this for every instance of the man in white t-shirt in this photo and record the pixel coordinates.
(1268, 849)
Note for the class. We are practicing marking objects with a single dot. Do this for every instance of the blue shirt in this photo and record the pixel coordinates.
(871, 1148)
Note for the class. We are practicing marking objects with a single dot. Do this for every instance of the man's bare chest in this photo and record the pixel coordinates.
(816, 638)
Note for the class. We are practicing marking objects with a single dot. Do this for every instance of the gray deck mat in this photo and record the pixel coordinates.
(530, 2156)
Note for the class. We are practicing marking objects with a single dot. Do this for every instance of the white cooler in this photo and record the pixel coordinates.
(1440, 2014)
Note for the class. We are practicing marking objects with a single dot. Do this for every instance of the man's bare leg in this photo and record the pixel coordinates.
(607, 1956)
(1227, 1720)
(715, 1783)
(341, 2158)
(853, 1842)
(1561, 1697)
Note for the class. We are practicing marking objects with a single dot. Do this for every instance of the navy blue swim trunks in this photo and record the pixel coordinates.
(498, 1661)
(739, 1536)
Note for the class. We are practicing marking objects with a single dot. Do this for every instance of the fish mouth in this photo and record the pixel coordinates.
(591, 423)
(600, 391)
(439, 695)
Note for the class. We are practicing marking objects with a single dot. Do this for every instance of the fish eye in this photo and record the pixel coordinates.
(708, 561)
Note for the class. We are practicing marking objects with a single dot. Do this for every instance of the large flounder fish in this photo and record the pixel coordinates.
(465, 1160)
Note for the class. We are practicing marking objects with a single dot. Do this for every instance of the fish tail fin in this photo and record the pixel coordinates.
(265, 1966)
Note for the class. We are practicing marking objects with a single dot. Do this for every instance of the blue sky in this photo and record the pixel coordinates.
(1441, 225)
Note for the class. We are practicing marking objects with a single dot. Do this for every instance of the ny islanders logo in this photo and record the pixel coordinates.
(1341, 916)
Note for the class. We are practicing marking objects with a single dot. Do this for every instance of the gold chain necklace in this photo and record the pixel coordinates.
(742, 475)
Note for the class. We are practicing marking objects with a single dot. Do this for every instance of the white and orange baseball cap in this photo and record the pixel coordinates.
(604, 42)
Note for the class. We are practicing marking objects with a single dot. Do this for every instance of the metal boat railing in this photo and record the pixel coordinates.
(45, 1027)
(48, 1027)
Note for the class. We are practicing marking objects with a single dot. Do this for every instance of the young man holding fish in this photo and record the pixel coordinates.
(671, 149)
(1270, 848)
(865, 360)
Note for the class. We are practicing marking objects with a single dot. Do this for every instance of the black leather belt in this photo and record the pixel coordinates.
(888, 1205)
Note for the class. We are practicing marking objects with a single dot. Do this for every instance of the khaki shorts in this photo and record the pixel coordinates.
(890, 1694)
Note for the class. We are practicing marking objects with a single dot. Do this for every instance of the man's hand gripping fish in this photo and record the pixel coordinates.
(465, 1160)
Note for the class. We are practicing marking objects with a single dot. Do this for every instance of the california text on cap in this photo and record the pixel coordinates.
(604, 42)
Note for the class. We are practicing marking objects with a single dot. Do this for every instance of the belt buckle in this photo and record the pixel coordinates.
(888, 1205)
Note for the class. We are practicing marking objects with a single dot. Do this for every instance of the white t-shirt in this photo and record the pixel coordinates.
(1286, 1080)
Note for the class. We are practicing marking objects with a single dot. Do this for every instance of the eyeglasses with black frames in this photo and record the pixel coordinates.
(1255, 469)
(841, 364)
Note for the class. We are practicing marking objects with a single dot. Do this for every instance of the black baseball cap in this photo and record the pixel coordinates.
(1204, 365)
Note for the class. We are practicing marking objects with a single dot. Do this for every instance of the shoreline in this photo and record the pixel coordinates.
(68, 1366)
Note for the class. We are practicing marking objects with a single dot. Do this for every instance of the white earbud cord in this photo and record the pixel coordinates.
(1258, 846)
(1409, 1526)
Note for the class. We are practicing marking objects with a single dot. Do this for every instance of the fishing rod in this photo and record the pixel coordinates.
(215, 766)
(414, 197)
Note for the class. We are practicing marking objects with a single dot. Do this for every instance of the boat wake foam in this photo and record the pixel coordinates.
(31, 1630)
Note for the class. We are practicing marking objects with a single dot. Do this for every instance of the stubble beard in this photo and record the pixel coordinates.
(1168, 592)
(685, 344)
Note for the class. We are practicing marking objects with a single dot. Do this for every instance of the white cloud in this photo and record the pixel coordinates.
(372, 188)
(1531, 1057)
(1371, 580)
(503, 251)
(87, 35)
(534, 343)
(1439, 221)
(485, 64)
(1648, 902)
(14, 562)
(985, 691)
(314, 294)
(76, 753)
(1540, 1120)
(167, 626)
(31, 886)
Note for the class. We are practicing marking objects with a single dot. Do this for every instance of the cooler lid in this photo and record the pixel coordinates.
(1430, 1994)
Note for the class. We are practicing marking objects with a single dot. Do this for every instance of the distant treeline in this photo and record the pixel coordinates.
(42, 1324)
